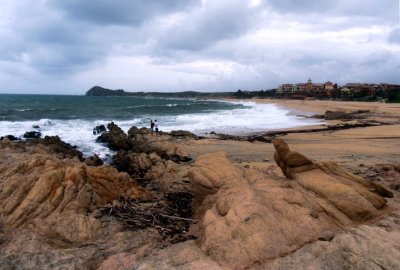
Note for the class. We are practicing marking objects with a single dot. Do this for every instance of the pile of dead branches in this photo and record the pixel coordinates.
(170, 215)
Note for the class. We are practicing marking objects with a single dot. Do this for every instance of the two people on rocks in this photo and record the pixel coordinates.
(154, 126)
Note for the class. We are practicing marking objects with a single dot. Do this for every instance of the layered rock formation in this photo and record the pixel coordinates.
(249, 218)
(56, 195)
(317, 217)
(149, 168)
(140, 141)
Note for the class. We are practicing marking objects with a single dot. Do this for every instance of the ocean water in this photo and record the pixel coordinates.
(73, 118)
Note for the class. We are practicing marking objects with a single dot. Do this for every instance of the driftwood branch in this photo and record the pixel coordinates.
(180, 218)
(170, 215)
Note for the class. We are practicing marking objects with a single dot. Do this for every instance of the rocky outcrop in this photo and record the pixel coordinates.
(365, 247)
(57, 196)
(115, 138)
(9, 137)
(183, 134)
(99, 129)
(318, 217)
(56, 146)
(355, 196)
(136, 164)
(171, 151)
(248, 218)
(343, 115)
(149, 168)
(165, 145)
(140, 140)
(384, 174)
(32, 135)
(94, 160)
(137, 133)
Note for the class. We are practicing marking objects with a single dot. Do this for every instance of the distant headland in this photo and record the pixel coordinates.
(100, 91)
(309, 90)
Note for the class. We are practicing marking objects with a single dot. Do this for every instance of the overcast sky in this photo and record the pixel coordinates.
(68, 46)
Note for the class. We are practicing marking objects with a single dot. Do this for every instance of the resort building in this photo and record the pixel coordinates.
(362, 89)
(308, 89)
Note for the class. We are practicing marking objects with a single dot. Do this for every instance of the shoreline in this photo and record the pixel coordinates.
(320, 106)
(350, 147)
(316, 137)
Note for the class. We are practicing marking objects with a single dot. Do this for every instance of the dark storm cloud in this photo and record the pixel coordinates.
(120, 12)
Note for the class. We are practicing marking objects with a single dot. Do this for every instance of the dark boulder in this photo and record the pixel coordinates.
(317, 116)
(343, 115)
(9, 137)
(32, 135)
(56, 145)
(99, 129)
(338, 115)
(115, 138)
(135, 132)
(135, 164)
(183, 134)
(94, 161)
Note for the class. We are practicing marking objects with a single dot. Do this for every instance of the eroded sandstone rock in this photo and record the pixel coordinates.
(38, 188)
(355, 196)
(248, 218)
(365, 247)
(56, 146)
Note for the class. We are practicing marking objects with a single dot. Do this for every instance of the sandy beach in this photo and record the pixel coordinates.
(350, 148)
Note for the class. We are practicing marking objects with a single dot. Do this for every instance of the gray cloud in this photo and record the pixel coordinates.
(201, 45)
(304, 6)
(394, 36)
(217, 20)
(68, 35)
(120, 12)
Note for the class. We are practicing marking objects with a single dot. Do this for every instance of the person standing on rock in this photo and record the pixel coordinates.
(156, 126)
(152, 126)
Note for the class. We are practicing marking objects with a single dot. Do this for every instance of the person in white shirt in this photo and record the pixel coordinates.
(156, 126)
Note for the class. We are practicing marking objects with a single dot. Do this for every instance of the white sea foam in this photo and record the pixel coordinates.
(253, 118)
(23, 110)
